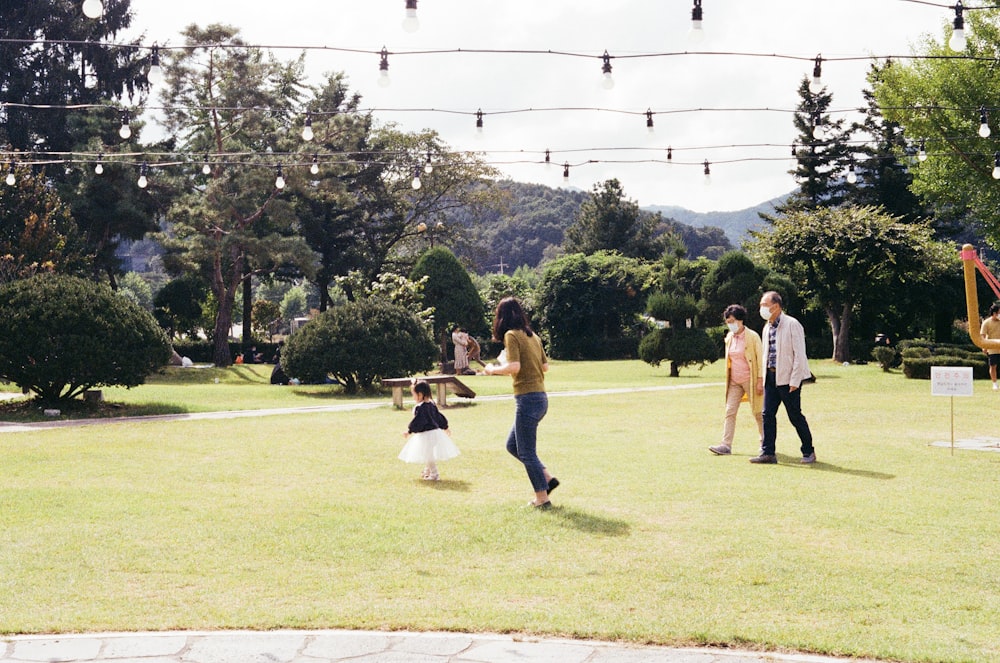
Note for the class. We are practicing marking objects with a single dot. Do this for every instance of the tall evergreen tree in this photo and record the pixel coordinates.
(822, 153)
(608, 221)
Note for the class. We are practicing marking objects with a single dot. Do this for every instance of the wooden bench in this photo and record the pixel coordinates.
(443, 382)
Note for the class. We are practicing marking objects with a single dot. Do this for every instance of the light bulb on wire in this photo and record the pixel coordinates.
(957, 41)
(383, 69)
(125, 131)
(566, 171)
(649, 121)
(607, 82)
(93, 8)
(707, 171)
(143, 180)
(479, 123)
(922, 152)
(307, 129)
(819, 131)
(816, 84)
(996, 166)
(984, 125)
(279, 179)
(99, 168)
(314, 168)
(548, 158)
(428, 165)
(415, 184)
(852, 176)
(155, 73)
(697, 34)
(410, 23)
(11, 177)
(206, 168)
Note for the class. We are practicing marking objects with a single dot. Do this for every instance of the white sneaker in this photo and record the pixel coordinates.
(995, 387)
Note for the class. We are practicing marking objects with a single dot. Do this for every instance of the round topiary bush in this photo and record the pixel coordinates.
(358, 343)
(62, 335)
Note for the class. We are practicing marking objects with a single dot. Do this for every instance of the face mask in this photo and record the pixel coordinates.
(765, 312)
(733, 327)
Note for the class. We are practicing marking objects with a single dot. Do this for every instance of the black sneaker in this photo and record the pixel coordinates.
(765, 459)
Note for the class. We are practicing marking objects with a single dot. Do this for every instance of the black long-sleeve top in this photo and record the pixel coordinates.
(427, 417)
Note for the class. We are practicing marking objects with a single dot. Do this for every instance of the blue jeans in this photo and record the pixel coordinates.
(774, 396)
(529, 410)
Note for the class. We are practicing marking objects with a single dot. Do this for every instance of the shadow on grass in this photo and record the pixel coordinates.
(820, 466)
(588, 522)
(448, 484)
(33, 411)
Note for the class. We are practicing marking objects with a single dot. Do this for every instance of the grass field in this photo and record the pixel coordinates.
(886, 548)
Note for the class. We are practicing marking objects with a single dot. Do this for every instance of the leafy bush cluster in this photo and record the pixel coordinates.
(61, 335)
(358, 343)
(920, 355)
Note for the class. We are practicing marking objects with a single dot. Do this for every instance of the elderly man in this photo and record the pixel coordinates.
(787, 366)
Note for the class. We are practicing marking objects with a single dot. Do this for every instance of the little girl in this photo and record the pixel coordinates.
(429, 438)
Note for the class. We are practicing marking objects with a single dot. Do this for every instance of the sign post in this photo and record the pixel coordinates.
(951, 381)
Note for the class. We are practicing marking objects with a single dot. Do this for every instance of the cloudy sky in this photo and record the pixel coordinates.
(601, 132)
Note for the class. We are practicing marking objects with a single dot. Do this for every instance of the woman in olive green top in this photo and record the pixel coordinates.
(527, 363)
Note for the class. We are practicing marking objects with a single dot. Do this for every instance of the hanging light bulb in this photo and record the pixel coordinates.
(566, 171)
(816, 84)
(696, 34)
(795, 152)
(957, 41)
(607, 82)
(428, 166)
(383, 69)
(410, 23)
(99, 168)
(548, 158)
(307, 129)
(125, 131)
(649, 121)
(155, 73)
(416, 183)
(93, 8)
(206, 167)
(279, 179)
(314, 168)
(922, 152)
(421, 227)
(670, 153)
(11, 177)
(984, 125)
(819, 131)
(479, 123)
(707, 172)
(852, 177)
(996, 165)
(143, 180)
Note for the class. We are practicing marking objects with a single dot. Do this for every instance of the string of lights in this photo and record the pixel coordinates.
(146, 160)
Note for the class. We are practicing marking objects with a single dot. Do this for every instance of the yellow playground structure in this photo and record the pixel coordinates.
(970, 263)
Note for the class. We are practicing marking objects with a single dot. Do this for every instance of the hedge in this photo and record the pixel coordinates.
(920, 367)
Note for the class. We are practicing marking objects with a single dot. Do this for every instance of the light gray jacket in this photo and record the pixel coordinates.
(790, 344)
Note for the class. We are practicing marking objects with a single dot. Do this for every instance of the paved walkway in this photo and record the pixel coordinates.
(355, 646)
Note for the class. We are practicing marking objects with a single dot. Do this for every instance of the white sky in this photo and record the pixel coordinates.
(503, 82)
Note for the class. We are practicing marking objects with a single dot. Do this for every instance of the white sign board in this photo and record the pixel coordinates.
(951, 381)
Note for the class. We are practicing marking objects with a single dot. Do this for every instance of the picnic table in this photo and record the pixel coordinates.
(444, 384)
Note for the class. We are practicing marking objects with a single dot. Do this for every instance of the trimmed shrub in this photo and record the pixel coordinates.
(62, 335)
(885, 356)
(682, 347)
(358, 343)
(920, 367)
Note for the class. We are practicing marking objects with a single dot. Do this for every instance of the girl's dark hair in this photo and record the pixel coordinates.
(422, 387)
(509, 316)
(735, 311)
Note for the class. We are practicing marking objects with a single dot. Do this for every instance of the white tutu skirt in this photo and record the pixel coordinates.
(432, 445)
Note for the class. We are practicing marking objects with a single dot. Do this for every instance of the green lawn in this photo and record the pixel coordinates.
(885, 548)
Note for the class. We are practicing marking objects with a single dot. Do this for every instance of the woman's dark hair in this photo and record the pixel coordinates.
(509, 316)
(422, 387)
(735, 311)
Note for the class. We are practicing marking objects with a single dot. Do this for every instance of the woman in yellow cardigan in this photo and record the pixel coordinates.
(744, 379)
